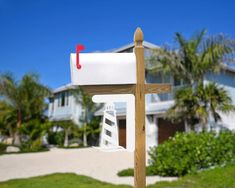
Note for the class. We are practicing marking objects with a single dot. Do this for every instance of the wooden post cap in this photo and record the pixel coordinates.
(138, 36)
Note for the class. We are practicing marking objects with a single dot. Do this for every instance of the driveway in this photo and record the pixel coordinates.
(88, 161)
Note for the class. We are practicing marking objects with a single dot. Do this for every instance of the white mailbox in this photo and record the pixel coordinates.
(103, 68)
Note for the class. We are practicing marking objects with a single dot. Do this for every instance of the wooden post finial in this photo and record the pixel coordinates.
(139, 36)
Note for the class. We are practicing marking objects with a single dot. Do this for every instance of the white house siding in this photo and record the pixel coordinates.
(151, 131)
(226, 79)
(72, 111)
(228, 120)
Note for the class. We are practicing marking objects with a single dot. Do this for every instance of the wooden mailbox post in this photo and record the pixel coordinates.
(138, 90)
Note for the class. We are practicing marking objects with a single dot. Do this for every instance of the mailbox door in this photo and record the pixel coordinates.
(103, 69)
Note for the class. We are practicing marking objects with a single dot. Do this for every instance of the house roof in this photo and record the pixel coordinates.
(131, 45)
(64, 87)
(228, 68)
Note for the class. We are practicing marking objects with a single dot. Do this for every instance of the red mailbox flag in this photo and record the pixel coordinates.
(79, 48)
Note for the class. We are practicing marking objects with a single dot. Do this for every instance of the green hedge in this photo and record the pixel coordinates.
(130, 172)
(188, 152)
(32, 146)
(2, 148)
(56, 138)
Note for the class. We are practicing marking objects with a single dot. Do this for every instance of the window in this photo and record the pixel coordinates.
(158, 78)
(58, 99)
(67, 99)
(177, 81)
(63, 99)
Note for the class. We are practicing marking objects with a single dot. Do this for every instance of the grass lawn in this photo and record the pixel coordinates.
(58, 180)
(214, 178)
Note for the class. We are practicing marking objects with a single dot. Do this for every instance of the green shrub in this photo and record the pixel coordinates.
(36, 145)
(189, 152)
(2, 148)
(56, 138)
(126, 172)
(130, 172)
(33, 146)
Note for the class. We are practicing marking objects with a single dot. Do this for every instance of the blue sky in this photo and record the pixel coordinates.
(39, 35)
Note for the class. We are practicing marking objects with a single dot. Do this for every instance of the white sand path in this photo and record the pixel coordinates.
(88, 161)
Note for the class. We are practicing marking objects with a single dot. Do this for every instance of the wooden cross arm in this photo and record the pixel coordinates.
(157, 88)
(108, 89)
(124, 89)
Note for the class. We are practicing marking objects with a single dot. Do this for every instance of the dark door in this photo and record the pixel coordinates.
(167, 129)
(122, 132)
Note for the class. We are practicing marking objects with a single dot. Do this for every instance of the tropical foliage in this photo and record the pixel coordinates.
(69, 127)
(193, 58)
(90, 125)
(8, 120)
(196, 105)
(55, 137)
(22, 109)
(2, 148)
(34, 131)
(196, 101)
(85, 133)
(21, 102)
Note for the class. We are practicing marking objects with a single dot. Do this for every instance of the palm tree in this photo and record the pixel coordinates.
(26, 97)
(215, 99)
(35, 129)
(194, 57)
(196, 105)
(88, 110)
(190, 62)
(68, 127)
(7, 120)
(185, 107)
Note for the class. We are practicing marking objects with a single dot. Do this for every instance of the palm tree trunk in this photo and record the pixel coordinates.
(186, 126)
(205, 125)
(11, 133)
(84, 136)
(66, 138)
(17, 140)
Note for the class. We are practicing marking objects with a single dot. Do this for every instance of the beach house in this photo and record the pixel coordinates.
(63, 106)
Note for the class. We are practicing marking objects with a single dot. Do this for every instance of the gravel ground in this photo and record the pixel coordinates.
(88, 161)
